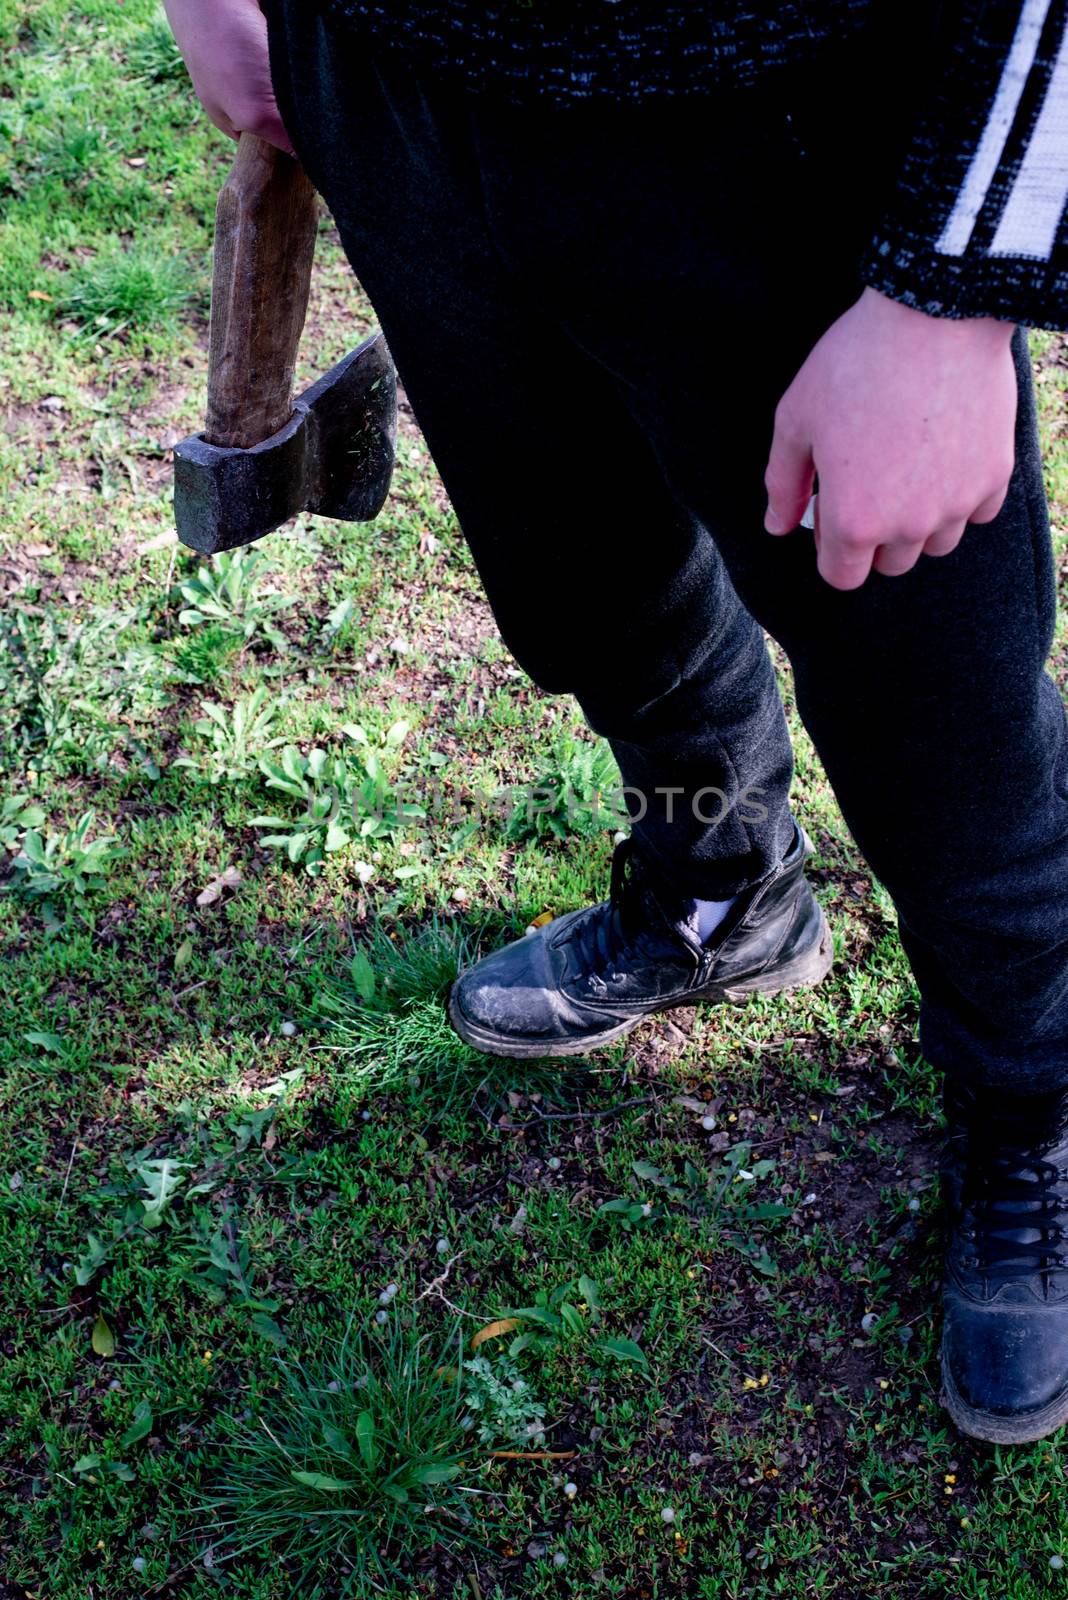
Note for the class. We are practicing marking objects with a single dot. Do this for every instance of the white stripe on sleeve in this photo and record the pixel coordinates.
(958, 230)
(1029, 222)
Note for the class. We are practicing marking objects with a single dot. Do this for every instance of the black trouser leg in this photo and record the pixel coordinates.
(602, 585)
(594, 312)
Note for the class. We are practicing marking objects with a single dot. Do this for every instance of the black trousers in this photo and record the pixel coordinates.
(594, 312)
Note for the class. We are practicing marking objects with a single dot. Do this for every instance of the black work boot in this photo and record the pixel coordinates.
(1005, 1337)
(587, 978)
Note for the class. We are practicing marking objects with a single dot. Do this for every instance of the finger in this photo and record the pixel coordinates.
(788, 479)
(273, 130)
(268, 125)
(843, 566)
(988, 509)
(842, 560)
(945, 540)
(221, 120)
(894, 559)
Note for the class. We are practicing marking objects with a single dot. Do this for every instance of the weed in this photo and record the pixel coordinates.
(17, 815)
(392, 970)
(566, 1314)
(171, 1195)
(360, 1465)
(115, 462)
(721, 1194)
(381, 811)
(238, 736)
(507, 1410)
(570, 794)
(72, 688)
(344, 796)
(154, 58)
(202, 655)
(229, 594)
(139, 286)
(74, 151)
(389, 1025)
(222, 1266)
(63, 872)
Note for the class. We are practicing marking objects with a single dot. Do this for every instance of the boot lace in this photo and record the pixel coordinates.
(606, 941)
(1014, 1207)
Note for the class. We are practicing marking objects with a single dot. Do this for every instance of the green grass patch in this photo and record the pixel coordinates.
(232, 1114)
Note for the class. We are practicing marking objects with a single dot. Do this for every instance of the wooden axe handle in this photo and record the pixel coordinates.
(265, 225)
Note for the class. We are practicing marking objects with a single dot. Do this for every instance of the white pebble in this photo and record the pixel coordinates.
(459, 894)
(667, 1515)
(647, 1209)
(139, 1563)
(868, 1322)
(571, 1490)
(1056, 1563)
(708, 1123)
(442, 1247)
(559, 1559)
(334, 1386)
(365, 1116)
(553, 1163)
(914, 1204)
(289, 1029)
(381, 1316)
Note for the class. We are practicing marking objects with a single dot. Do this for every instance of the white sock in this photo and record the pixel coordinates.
(710, 913)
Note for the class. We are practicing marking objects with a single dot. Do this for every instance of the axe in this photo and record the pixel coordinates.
(263, 456)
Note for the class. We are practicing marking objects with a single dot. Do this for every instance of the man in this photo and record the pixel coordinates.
(636, 261)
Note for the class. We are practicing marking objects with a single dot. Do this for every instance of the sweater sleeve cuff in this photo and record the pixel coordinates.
(907, 268)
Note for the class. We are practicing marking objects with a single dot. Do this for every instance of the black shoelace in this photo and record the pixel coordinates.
(604, 941)
(1014, 1210)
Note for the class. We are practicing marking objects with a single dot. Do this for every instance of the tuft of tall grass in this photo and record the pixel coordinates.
(362, 1464)
(138, 286)
(390, 1025)
(153, 56)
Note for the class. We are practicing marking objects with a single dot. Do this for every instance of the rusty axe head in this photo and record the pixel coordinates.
(264, 457)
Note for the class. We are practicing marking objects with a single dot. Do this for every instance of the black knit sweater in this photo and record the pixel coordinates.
(977, 225)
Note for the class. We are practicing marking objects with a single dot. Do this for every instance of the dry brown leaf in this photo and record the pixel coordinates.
(160, 541)
(214, 890)
(494, 1330)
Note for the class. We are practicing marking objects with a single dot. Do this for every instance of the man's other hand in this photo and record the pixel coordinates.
(909, 421)
(224, 44)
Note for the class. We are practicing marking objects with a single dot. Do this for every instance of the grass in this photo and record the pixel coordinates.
(231, 1115)
(125, 288)
(354, 1462)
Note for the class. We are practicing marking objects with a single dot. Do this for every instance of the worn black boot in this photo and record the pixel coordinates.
(587, 978)
(1005, 1337)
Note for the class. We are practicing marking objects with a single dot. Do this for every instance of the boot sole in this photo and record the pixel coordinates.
(803, 972)
(992, 1429)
